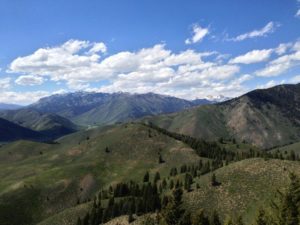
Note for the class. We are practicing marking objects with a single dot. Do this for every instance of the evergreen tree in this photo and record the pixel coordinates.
(214, 181)
(156, 177)
(228, 221)
(79, 222)
(186, 219)
(160, 159)
(261, 218)
(173, 213)
(86, 219)
(239, 221)
(215, 220)
(146, 177)
(200, 218)
(287, 207)
(130, 218)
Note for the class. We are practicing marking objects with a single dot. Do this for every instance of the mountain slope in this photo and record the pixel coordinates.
(78, 165)
(5, 106)
(101, 108)
(265, 118)
(11, 132)
(50, 125)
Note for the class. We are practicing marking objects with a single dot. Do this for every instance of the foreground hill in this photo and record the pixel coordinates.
(245, 186)
(50, 125)
(88, 108)
(266, 118)
(11, 132)
(48, 178)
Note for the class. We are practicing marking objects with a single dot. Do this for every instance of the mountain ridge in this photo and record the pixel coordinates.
(264, 117)
(91, 108)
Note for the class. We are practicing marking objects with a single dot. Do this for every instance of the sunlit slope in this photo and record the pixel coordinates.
(80, 164)
(265, 118)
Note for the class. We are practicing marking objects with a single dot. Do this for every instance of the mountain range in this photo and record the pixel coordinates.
(86, 108)
(266, 118)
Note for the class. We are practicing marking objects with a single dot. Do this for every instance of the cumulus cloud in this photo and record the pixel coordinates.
(29, 80)
(74, 59)
(197, 35)
(282, 63)
(98, 47)
(22, 98)
(5, 83)
(267, 29)
(253, 56)
(186, 74)
(295, 79)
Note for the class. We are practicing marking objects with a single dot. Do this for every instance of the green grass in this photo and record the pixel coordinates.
(78, 166)
(288, 148)
(245, 186)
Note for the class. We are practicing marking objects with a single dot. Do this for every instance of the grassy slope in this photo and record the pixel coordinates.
(287, 148)
(246, 185)
(59, 171)
(264, 126)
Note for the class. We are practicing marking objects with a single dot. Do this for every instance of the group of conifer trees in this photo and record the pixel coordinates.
(213, 150)
(283, 210)
(150, 196)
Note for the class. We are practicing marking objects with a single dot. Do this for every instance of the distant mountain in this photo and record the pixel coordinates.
(86, 108)
(265, 118)
(11, 132)
(50, 125)
(5, 106)
(202, 101)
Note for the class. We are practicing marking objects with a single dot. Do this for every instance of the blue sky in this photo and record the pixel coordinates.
(189, 49)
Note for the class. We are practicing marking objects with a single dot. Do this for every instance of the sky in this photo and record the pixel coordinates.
(185, 48)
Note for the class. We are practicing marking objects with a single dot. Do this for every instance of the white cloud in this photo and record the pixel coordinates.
(295, 79)
(282, 63)
(5, 83)
(188, 74)
(22, 98)
(29, 80)
(282, 48)
(269, 84)
(198, 34)
(98, 47)
(297, 14)
(72, 60)
(253, 56)
(267, 29)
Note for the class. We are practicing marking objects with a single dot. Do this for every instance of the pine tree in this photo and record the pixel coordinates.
(200, 218)
(228, 221)
(130, 218)
(146, 177)
(239, 221)
(287, 207)
(173, 212)
(186, 219)
(261, 218)
(214, 181)
(86, 219)
(156, 177)
(215, 220)
(79, 222)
